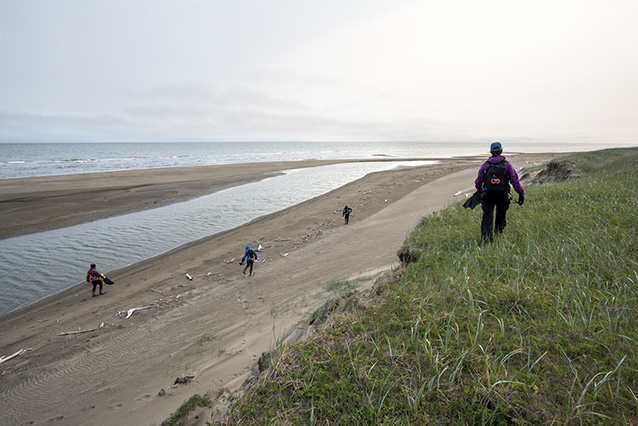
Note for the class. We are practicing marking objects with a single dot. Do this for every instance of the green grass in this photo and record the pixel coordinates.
(179, 418)
(539, 327)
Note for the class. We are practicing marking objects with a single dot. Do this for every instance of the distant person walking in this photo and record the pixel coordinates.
(95, 278)
(346, 213)
(493, 184)
(250, 256)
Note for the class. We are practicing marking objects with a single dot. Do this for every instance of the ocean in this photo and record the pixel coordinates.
(33, 267)
(46, 159)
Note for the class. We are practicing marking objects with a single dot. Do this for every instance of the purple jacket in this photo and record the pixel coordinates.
(511, 174)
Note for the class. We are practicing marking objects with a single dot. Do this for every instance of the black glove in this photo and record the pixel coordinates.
(521, 199)
(241, 263)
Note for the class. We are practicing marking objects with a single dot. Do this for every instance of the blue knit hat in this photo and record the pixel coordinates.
(496, 147)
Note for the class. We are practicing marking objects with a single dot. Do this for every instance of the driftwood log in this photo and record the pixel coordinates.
(130, 311)
(64, 333)
(18, 353)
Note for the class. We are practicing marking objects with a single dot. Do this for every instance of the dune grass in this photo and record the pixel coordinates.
(180, 417)
(540, 327)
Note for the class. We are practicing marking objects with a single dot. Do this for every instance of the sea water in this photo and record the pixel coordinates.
(35, 266)
(46, 159)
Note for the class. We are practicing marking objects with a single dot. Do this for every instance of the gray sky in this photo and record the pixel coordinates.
(319, 70)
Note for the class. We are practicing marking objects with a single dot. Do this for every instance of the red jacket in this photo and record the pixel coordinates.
(93, 275)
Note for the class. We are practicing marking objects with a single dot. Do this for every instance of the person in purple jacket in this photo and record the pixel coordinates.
(95, 278)
(493, 183)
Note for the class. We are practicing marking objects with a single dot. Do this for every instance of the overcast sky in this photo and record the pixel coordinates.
(319, 70)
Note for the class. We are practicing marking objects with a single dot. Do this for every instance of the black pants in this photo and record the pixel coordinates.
(95, 284)
(347, 216)
(249, 264)
(488, 203)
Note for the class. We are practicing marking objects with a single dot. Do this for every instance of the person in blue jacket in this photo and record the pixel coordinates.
(250, 256)
(493, 184)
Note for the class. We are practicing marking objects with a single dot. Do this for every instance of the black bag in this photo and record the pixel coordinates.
(473, 201)
(496, 180)
(108, 281)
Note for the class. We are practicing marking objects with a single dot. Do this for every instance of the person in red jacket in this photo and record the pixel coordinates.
(95, 278)
(493, 184)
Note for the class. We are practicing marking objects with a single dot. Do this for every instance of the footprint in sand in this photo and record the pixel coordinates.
(145, 397)
(117, 406)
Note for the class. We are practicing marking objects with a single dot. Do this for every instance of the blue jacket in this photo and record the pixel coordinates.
(511, 175)
(248, 250)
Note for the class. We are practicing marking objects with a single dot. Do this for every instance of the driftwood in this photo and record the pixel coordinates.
(209, 274)
(64, 333)
(18, 353)
(163, 292)
(130, 311)
(184, 379)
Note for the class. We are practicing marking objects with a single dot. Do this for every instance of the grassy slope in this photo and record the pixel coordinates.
(539, 327)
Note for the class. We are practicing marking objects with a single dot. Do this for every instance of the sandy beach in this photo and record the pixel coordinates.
(216, 326)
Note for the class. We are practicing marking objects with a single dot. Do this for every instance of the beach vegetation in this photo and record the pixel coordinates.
(340, 285)
(539, 327)
(180, 417)
(205, 338)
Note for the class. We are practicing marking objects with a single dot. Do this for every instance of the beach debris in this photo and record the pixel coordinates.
(230, 261)
(458, 193)
(212, 274)
(102, 325)
(79, 331)
(130, 311)
(184, 379)
(167, 289)
(18, 353)
(189, 277)
(260, 248)
(283, 254)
